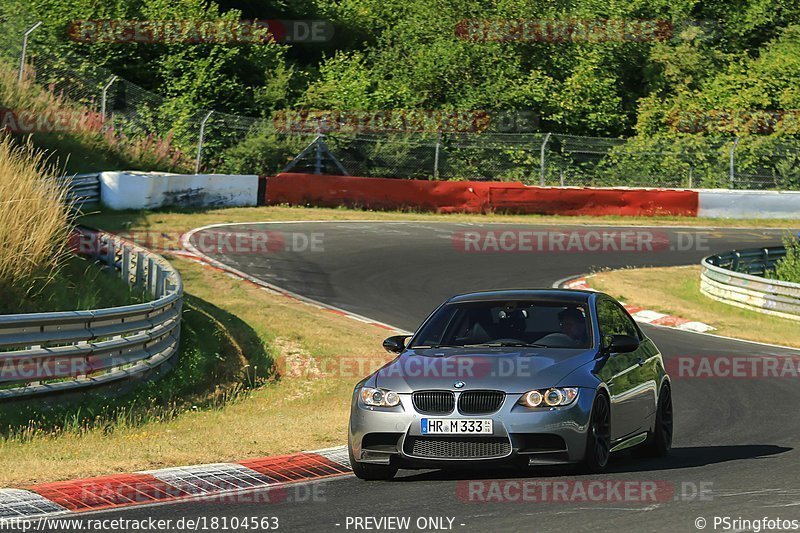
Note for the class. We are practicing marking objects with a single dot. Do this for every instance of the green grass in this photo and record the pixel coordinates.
(220, 359)
(676, 291)
(222, 401)
(78, 154)
(171, 219)
(78, 284)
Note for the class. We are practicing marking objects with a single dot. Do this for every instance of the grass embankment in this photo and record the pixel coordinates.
(76, 284)
(37, 273)
(81, 146)
(676, 291)
(180, 420)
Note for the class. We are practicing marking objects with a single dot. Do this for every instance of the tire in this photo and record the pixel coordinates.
(598, 438)
(659, 441)
(369, 472)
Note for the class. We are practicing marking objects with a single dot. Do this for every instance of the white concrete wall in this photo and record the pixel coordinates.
(748, 204)
(148, 190)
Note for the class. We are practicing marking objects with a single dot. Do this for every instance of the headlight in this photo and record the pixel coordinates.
(379, 397)
(549, 397)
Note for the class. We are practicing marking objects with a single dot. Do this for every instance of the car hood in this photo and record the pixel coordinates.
(515, 371)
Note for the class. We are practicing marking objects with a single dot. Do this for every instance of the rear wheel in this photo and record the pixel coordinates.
(659, 441)
(370, 472)
(598, 440)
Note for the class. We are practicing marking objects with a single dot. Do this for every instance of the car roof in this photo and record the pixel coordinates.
(555, 295)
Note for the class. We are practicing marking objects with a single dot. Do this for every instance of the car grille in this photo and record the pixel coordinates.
(434, 402)
(457, 448)
(480, 402)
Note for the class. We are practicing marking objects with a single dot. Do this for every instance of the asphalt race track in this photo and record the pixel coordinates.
(735, 448)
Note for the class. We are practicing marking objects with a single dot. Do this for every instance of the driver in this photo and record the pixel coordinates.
(573, 324)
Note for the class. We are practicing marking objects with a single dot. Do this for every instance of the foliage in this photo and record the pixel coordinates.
(717, 56)
(788, 268)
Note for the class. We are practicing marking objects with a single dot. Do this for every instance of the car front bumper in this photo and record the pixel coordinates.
(520, 435)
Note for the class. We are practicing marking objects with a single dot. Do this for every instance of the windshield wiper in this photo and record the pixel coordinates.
(504, 344)
(434, 346)
(512, 344)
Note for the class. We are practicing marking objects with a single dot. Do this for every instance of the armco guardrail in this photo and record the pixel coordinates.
(736, 278)
(82, 189)
(61, 351)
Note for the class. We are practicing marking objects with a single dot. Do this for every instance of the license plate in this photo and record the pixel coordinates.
(450, 426)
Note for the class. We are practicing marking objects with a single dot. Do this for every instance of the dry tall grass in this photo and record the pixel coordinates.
(27, 95)
(141, 151)
(34, 217)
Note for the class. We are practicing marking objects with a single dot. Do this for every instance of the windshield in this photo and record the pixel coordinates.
(507, 323)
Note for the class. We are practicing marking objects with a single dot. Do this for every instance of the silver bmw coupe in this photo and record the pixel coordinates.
(526, 377)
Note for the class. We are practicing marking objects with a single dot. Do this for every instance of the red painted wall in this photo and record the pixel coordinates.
(474, 197)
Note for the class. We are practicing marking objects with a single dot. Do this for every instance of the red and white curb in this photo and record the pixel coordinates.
(224, 480)
(645, 316)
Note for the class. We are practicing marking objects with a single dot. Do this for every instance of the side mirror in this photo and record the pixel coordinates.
(620, 344)
(395, 344)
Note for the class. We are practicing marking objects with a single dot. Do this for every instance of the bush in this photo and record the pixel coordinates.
(262, 152)
(788, 268)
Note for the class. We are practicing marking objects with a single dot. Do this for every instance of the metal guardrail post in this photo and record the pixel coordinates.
(159, 281)
(151, 278)
(126, 264)
(111, 253)
(139, 270)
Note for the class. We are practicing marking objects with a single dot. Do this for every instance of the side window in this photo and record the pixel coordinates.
(614, 321)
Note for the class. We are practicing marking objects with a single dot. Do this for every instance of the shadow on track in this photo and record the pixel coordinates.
(685, 457)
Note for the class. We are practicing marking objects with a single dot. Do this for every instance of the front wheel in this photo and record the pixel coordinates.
(598, 439)
(369, 472)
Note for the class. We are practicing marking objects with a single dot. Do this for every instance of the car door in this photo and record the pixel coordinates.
(626, 374)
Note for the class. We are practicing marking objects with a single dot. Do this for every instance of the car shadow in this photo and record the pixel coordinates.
(683, 457)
